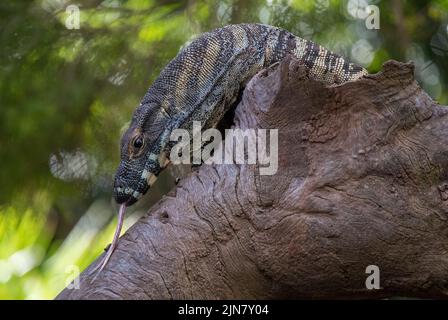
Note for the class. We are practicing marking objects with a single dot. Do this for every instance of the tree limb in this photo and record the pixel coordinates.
(362, 180)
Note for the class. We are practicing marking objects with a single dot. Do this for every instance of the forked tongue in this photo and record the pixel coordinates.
(114, 243)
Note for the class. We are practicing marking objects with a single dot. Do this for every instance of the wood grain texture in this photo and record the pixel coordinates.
(362, 180)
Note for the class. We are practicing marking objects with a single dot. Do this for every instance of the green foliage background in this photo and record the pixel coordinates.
(72, 92)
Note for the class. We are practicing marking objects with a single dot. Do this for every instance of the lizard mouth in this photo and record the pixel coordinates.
(131, 201)
(126, 195)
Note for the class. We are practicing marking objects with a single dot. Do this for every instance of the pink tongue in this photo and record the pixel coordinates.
(114, 243)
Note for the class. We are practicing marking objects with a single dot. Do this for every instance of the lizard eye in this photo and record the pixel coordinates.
(138, 142)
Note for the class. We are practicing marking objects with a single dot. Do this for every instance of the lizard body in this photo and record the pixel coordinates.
(201, 83)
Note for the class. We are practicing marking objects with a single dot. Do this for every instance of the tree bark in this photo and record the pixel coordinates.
(362, 180)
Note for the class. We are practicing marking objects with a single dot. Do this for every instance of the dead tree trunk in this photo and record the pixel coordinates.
(362, 180)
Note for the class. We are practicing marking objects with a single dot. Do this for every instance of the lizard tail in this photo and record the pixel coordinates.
(325, 65)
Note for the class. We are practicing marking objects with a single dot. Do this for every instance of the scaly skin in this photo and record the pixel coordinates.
(200, 84)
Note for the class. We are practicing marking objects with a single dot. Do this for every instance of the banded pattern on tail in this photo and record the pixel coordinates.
(323, 64)
(326, 65)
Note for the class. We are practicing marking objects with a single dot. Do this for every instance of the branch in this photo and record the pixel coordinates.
(362, 180)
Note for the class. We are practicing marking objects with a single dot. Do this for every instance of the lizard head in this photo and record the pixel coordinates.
(142, 155)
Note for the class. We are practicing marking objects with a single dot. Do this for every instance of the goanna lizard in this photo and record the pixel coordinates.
(200, 84)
